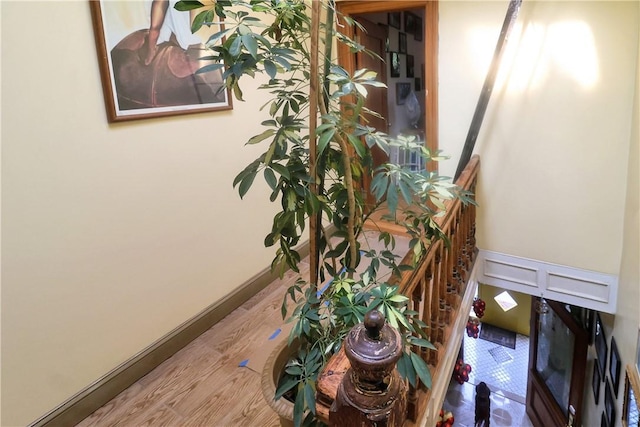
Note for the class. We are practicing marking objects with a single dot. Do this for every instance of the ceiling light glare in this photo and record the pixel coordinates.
(505, 301)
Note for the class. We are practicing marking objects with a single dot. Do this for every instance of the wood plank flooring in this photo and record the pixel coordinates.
(203, 385)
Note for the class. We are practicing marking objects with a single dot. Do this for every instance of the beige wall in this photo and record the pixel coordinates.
(555, 140)
(112, 235)
(627, 320)
(517, 319)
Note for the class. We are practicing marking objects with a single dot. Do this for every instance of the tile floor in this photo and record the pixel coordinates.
(505, 372)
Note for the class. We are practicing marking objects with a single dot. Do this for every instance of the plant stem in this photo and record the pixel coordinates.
(313, 120)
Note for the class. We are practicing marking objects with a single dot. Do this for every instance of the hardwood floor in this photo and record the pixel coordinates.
(203, 384)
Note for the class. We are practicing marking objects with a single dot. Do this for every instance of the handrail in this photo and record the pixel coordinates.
(436, 286)
(435, 289)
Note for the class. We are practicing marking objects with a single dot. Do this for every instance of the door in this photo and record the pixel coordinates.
(557, 361)
(373, 38)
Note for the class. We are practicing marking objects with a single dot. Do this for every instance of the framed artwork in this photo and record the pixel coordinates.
(402, 91)
(417, 34)
(614, 366)
(394, 61)
(410, 66)
(595, 382)
(402, 42)
(149, 69)
(630, 410)
(609, 404)
(638, 353)
(393, 19)
(587, 319)
(410, 22)
(600, 342)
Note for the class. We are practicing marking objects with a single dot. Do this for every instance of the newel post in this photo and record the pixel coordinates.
(372, 392)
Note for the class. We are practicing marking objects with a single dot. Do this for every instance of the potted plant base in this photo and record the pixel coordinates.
(273, 368)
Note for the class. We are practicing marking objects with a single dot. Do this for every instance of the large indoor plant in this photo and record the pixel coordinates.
(318, 150)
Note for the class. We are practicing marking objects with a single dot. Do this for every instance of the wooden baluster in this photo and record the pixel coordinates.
(466, 212)
(433, 289)
(458, 258)
(371, 392)
(425, 311)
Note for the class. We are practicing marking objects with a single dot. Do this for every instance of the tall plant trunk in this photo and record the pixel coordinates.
(318, 100)
(314, 219)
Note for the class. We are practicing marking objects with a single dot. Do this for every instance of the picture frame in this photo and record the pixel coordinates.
(600, 342)
(595, 382)
(588, 321)
(638, 353)
(417, 34)
(614, 366)
(394, 64)
(410, 22)
(609, 404)
(140, 82)
(393, 19)
(403, 90)
(630, 407)
(402, 42)
(410, 66)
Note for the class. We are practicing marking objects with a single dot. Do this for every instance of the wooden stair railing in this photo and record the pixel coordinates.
(436, 289)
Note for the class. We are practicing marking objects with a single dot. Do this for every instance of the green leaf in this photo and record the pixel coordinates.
(209, 68)
(392, 199)
(282, 61)
(246, 183)
(421, 369)
(250, 43)
(285, 385)
(261, 137)
(235, 47)
(184, 5)
(271, 179)
(361, 90)
(421, 343)
(270, 68)
(324, 139)
(357, 145)
(406, 194)
(399, 298)
(391, 317)
(281, 169)
(298, 407)
(218, 36)
(294, 370)
(405, 368)
(310, 397)
(199, 20)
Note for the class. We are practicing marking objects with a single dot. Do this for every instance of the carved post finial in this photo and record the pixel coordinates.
(373, 323)
(371, 392)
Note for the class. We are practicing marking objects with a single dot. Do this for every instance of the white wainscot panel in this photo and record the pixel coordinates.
(584, 288)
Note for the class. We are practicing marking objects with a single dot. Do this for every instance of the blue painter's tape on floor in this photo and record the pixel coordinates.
(275, 334)
(244, 363)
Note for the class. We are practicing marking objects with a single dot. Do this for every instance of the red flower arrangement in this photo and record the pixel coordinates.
(445, 419)
(478, 307)
(473, 328)
(461, 371)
